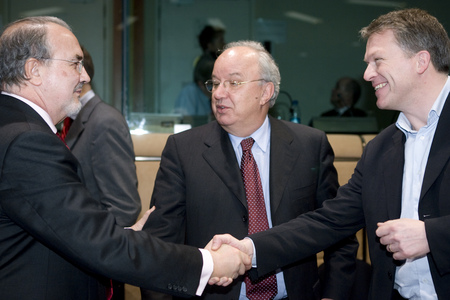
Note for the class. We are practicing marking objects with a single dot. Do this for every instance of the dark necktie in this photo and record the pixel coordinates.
(265, 288)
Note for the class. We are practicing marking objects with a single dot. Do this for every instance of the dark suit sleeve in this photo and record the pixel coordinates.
(168, 221)
(113, 168)
(339, 259)
(312, 232)
(41, 196)
(438, 237)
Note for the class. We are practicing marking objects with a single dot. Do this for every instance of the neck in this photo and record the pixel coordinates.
(420, 108)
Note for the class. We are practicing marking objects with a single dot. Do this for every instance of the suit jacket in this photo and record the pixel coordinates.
(100, 139)
(56, 240)
(199, 192)
(373, 195)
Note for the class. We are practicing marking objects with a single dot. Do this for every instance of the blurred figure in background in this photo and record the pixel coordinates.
(194, 99)
(344, 97)
(211, 40)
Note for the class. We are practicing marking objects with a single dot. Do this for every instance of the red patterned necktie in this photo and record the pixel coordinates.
(66, 126)
(265, 288)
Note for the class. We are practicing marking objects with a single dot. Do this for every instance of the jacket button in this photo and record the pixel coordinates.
(390, 275)
(244, 219)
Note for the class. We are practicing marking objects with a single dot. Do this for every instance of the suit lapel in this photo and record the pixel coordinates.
(440, 150)
(282, 161)
(222, 159)
(220, 155)
(393, 164)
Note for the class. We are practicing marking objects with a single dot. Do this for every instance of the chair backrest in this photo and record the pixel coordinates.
(149, 145)
(347, 151)
(346, 124)
(148, 149)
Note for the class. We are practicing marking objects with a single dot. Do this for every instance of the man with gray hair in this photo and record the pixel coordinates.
(56, 240)
(204, 186)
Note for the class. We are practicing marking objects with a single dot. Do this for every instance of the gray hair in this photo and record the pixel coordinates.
(23, 39)
(268, 68)
(415, 30)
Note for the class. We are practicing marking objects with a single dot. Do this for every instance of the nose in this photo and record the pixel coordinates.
(369, 73)
(219, 91)
(84, 77)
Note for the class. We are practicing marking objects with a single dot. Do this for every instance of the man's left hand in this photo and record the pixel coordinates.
(405, 238)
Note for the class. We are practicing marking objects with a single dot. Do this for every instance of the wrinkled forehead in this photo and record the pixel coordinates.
(62, 41)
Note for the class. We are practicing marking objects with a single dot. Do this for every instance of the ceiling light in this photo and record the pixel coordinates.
(378, 3)
(303, 17)
(46, 11)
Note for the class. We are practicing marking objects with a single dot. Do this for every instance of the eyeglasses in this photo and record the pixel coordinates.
(79, 63)
(212, 85)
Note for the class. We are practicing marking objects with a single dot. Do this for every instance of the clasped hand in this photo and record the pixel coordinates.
(231, 258)
(405, 238)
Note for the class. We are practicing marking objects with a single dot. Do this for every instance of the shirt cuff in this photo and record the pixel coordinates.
(254, 264)
(207, 269)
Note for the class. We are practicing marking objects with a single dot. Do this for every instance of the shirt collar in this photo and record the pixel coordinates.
(261, 137)
(44, 115)
(433, 116)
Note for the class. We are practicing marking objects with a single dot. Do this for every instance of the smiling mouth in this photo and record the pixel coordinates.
(379, 86)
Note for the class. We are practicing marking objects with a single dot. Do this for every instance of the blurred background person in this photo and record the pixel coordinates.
(194, 99)
(211, 40)
(344, 96)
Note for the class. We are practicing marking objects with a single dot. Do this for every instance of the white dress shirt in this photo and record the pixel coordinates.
(413, 279)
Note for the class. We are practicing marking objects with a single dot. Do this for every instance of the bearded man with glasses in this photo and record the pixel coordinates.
(57, 241)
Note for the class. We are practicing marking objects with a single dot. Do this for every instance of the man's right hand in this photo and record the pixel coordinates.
(224, 249)
(245, 245)
(229, 263)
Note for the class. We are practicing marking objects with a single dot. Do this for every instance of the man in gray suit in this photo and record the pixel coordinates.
(199, 190)
(100, 139)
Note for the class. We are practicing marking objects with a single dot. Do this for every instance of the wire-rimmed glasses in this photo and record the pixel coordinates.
(212, 85)
(79, 63)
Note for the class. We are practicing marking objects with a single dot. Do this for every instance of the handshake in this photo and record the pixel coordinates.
(232, 257)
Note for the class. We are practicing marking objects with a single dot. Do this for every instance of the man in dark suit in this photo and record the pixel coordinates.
(100, 139)
(199, 190)
(400, 188)
(344, 96)
(56, 240)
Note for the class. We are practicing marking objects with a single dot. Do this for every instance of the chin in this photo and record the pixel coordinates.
(73, 108)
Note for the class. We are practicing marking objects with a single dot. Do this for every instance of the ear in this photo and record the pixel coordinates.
(423, 61)
(32, 71)
(268, 91)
